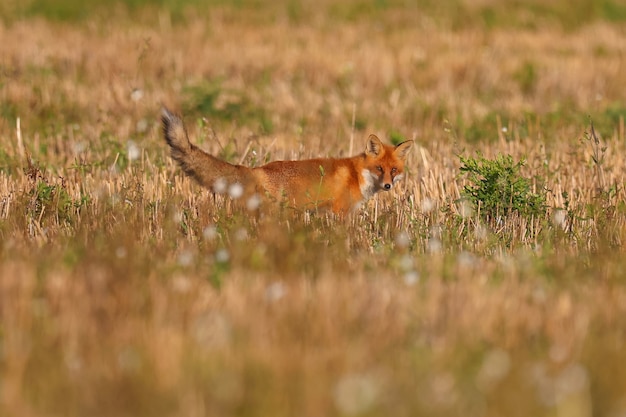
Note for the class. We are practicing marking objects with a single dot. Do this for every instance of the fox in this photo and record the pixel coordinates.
(341, 185)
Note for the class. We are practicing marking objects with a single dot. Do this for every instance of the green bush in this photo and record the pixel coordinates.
(497, 188)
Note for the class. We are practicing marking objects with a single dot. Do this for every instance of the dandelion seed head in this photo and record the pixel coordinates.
(572, 380)
(142, 126)
(222, 256)
(275, 291)
(136, 94)
(133, 150)
(121, 252)
(253, 202)
(177, 216)
(444, 392)
(558, 353)
(235, 190)
(465, 209)
(185, 258)
(539, 295)
(411, 278)
(428, 205)
(403, 240)
(181, 284)
(559, 217)
(480, 232)
(212, 330)
(543, 382)
(465, 259)
(356, 394)
(406, 262)
(494, 368)
(434, 245)
(220, 185)
(436, 231)
(241, 234)
(79, 147)
(210, 232)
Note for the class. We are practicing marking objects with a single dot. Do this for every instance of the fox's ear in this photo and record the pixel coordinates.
(403, 149)
(374, 146)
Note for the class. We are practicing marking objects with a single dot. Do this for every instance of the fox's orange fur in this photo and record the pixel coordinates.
(339, 184)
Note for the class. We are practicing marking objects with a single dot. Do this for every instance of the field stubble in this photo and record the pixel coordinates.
(126, 290)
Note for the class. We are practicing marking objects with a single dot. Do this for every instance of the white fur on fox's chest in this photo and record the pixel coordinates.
(368, 186)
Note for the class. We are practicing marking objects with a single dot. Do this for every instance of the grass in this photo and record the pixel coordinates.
(456, 14)
(127, 290)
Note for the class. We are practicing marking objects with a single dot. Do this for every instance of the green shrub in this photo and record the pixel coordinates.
(497, 188)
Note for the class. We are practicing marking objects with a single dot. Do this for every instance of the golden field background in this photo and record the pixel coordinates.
(127, 290)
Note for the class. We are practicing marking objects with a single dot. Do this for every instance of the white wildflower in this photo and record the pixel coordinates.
(403, 240)
(356, 394)
(210, 232)
(222, 256)
(136, 94)
(235, 191)
(185, 258)
(275, 291)
(133, 151)
(428, 205)
(253, 202)
(220, 185)
(411, 278)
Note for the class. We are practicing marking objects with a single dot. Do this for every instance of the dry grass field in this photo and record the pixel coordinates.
(127, 290)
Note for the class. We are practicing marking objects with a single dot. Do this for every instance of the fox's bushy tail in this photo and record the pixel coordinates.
(199, 165)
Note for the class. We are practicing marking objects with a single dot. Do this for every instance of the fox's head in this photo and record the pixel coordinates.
(384, 165)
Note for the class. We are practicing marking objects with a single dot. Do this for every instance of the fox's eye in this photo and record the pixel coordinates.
(394, 170)
(379, 168)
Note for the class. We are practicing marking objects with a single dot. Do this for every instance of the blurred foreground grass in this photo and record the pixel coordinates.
(127, 290)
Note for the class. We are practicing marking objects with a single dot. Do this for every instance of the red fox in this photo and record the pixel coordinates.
(341, 185)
